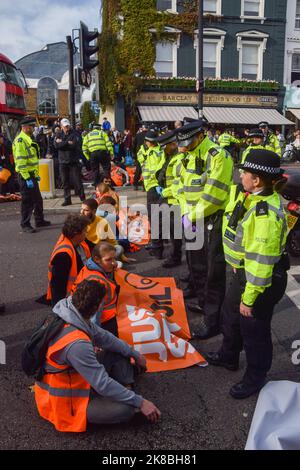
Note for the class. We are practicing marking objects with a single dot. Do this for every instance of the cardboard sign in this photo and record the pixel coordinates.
(152, 318)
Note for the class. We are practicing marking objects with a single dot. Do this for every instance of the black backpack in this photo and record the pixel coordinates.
(35, 349)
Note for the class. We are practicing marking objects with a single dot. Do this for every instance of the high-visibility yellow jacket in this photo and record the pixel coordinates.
(25, 156)
(226, 140)
(206, 180)
(96, 140)
(255, 147)
(272, 141)
(150, 165)
(258, 241)
(170, 179)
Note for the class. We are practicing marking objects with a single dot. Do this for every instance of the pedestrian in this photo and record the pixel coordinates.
(52, 153)
(27, 167)
(99, 387)
(106, 126)
(7, 162)
(206, 177)
(68, 257)
(138, 143)
(66, 142)
(255, 231)
(98, 149)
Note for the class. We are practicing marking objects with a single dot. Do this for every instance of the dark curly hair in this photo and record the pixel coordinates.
(87, 297)
(74, 224)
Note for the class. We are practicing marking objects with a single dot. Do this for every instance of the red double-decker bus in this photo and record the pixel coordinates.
(12, 104)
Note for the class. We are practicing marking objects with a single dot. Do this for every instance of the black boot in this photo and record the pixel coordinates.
(67, 202)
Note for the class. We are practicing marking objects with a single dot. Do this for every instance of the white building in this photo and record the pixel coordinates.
(292, 48)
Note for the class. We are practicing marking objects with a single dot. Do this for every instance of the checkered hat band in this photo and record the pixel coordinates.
(266, 169)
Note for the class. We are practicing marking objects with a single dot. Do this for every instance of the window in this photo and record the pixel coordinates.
(209, 59)
(163, 5)
(295, 67)
(253, 8)
(166, 59)
(297, 21)
(212, 7)
(47, 96)
(251, 46)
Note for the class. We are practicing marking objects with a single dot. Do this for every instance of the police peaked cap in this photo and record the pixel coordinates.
(186, 134)
(167, 138)
(28, 121)
(262, 162)
(96, 125)
(256, 133)
(151, 136)
(263, 124)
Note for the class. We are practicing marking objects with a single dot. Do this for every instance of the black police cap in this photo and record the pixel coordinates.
(256, 132)
(186, 134)
(28, 121)
(167, 138)
(263, 124)
(262, 162)
(151, 136)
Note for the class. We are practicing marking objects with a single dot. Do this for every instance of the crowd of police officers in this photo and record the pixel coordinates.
(243, 229)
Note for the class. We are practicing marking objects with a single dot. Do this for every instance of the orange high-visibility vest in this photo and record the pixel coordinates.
(116, 177)
(108, 307)
(64, 245)
(62, 395)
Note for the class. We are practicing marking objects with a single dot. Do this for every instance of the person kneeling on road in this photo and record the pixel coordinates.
(94, 387)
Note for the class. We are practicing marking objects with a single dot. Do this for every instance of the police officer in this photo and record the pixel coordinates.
(206, 179)
(98, 148)
(27, 167)
(255, 231)
(228, 141)
(150, 158)
(257, 142)
(269, 138)
(165, 178)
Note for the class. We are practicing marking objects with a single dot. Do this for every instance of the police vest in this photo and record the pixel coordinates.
(62, 396)
(108, 307)
(64, 245)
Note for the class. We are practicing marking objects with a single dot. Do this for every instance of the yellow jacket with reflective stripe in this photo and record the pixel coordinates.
(259, 242)
(169, 176)
(206, 180)
(150, 166)
(96, 140)
(225, 140)
(141, 155)
(25, 156)
(178, 177)
(255, 147)
(273, 142)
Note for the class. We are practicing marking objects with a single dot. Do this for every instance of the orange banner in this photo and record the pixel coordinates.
(152, 318)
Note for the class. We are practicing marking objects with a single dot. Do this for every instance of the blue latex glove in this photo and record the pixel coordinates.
(188, 225)
(38, 178)
(159, 190)
(30, 184)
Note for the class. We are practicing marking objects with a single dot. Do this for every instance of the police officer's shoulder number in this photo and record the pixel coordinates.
(20, 139)
(262, 208)
(213, 151)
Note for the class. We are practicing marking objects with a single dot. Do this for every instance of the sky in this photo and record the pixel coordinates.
(28, 25)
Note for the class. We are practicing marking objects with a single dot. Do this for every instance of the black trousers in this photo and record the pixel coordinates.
(70, 173)
(137, 174)
(32, 202)
(175, 231)
(153, 199)
(253, 334)
(111, 326)
(207, 270)
(100, 157)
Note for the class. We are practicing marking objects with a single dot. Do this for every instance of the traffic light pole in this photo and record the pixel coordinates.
(71, 80)
(200, 60)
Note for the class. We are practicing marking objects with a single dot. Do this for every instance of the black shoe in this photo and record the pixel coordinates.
(2, 308)
(136, 188)
(82, 198)
(43, 223)
(243, 390)
(67, 202)
(189, 293)
(194, 308)
(185, 277)
(28, 229)
(171, 263)
(215, 359)
(205, 332)
(156, 253)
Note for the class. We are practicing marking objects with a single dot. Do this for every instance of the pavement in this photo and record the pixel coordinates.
(197, 411)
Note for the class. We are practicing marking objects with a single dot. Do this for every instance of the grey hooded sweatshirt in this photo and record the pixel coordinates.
(81, 355)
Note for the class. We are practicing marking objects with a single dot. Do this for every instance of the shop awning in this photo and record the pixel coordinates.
(295, 112)
(245, 116)
(217, 115)
(166, 113)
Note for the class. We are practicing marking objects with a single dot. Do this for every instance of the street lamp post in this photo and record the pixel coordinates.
(200, 84)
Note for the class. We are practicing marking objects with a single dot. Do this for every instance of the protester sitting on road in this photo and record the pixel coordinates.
(104, 380)
(101, 267)
(105, 189)
(68, 257)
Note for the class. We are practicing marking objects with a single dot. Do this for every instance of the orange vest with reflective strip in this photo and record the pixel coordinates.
(62, 396)
(108, 307)
(64, 245)
(116, 177)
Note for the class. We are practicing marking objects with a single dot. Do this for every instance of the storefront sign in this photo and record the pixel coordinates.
(209, 99)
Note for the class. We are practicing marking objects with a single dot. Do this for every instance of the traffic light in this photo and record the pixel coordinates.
(87, 50)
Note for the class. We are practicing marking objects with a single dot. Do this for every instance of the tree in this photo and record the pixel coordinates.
(88, 115)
